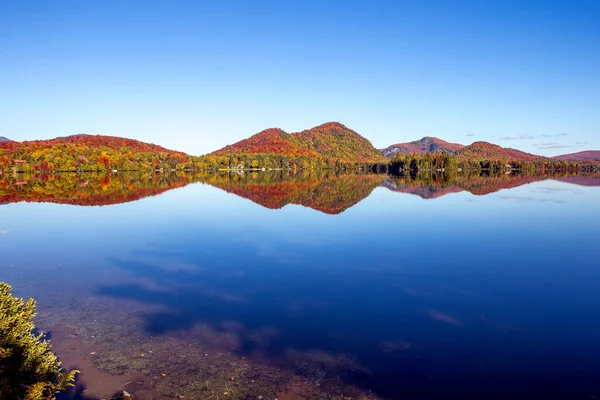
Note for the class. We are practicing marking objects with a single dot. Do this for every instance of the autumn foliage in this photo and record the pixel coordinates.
(589, 155)
(425, 145)
(331, 142)
(89, 153)
(484, 151)
(429, 185)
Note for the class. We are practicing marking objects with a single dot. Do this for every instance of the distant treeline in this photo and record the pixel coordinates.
(276, 161)
(450, 162)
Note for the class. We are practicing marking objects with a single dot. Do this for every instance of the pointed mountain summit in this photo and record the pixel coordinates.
(329, 141)
(333, 140)
(426, 145)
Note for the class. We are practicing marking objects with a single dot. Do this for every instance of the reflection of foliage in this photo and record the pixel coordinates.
(425, 185)
(88, 189)
(433, 185)
(28, 368)
(483, 184)
(328, 193)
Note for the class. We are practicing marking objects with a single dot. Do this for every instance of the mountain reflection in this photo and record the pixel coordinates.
(432, 186)
(329, 193)
(87, 189)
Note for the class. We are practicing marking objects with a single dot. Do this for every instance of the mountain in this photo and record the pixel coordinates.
(425, 145)
(335, 141)
(590, 155)
(89, 153)
(330, 141)
(484, 151)
(4, 139)
(272, 140)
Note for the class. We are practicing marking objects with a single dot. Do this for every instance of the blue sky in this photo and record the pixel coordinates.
(195, 76)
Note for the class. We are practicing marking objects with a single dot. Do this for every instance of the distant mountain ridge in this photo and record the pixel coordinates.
(271, 148)
(588, 155)
(330, 141)
(480, 151)
(426, 145)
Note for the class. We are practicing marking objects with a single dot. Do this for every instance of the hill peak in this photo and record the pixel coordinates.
(4, 139)
(270, 131)
(427, 144)
(489, 151)
(331, 124)
(328, 141)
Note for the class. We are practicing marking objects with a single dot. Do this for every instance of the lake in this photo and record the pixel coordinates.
(235, 286)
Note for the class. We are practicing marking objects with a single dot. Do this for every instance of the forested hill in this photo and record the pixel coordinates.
(331, 141)
(89, 153)
(335, 141)
(484, 151)
(4, 139)
(269, 141)
(425, 145)
(328, 146)
(590, 155)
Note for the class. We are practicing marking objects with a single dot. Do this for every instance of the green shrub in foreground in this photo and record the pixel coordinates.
(29, 370)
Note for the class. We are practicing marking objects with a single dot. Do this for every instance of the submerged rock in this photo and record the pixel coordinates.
(122, 396)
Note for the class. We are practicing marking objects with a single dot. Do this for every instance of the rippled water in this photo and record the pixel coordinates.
(315, 286)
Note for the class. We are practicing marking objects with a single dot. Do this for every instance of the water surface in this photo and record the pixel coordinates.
(317, 285)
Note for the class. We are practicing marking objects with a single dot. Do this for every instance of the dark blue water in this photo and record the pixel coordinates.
(462, 296)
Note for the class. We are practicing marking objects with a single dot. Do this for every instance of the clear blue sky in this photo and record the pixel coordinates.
(195, 76)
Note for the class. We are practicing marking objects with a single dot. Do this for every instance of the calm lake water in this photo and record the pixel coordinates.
(315, 287)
